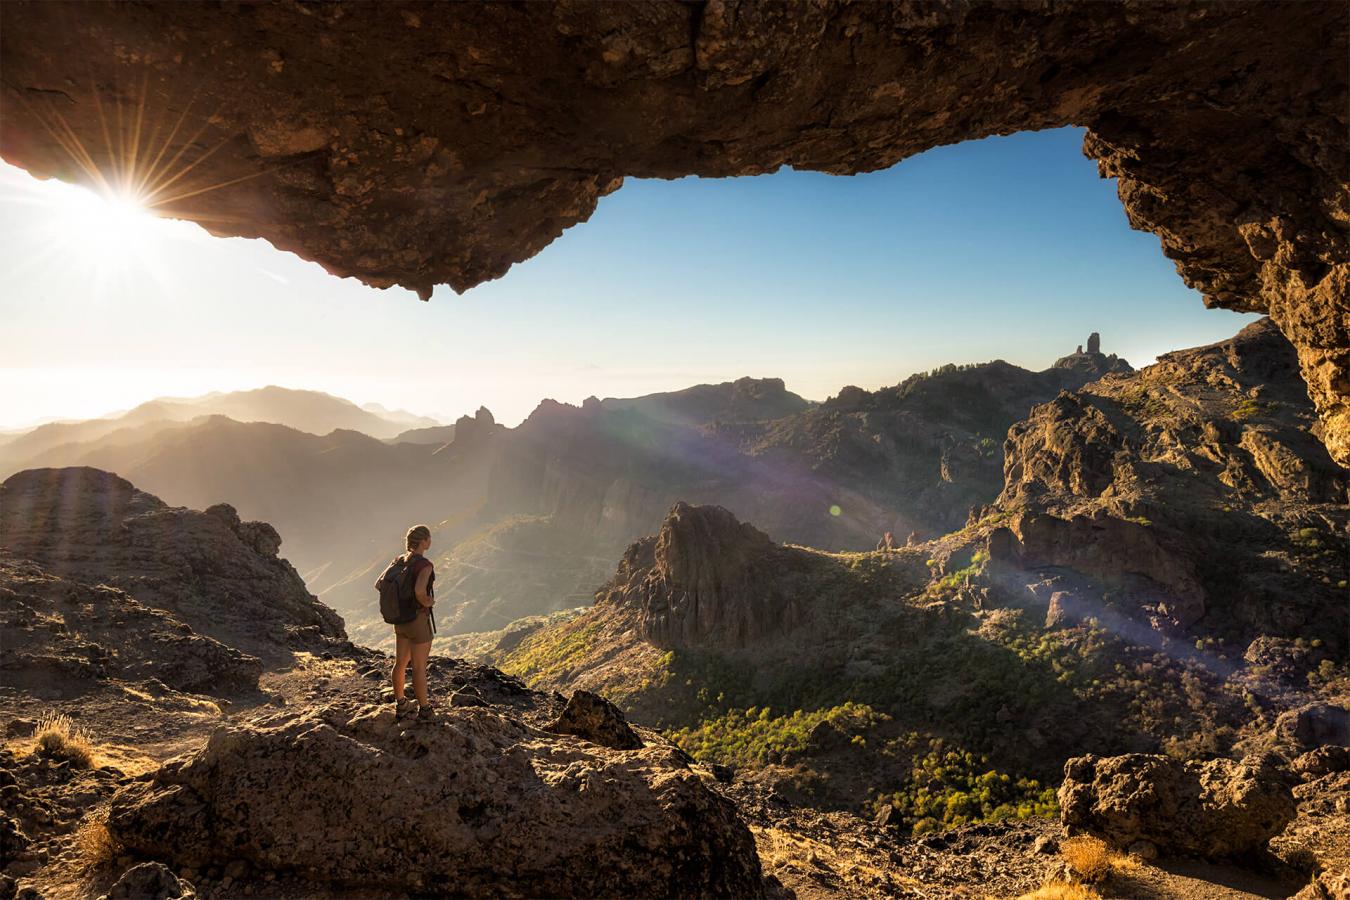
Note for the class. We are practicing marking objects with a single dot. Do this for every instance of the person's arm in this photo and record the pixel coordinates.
(420, 588)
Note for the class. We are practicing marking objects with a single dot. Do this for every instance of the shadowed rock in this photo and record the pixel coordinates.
(707, 579)
(595, 719)
(150, 881)
(1215, 810)
(208, 569)
(483, 801)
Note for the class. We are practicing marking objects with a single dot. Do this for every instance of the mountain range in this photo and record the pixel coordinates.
(528, 519)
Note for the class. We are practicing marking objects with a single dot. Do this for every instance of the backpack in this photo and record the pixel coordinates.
(398, 601)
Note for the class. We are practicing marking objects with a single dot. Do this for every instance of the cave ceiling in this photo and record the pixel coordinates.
(420, 144)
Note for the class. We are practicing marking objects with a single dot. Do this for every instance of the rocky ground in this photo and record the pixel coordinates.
(321, 719)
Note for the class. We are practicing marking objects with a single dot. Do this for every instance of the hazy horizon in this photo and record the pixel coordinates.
(1006, 248)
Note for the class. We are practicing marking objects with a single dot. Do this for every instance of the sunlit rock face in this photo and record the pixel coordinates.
(425, 144)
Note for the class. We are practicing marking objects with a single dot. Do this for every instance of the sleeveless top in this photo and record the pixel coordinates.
(416, 563)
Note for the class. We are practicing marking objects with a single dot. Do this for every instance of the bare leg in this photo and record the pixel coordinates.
(402, 654)
(420, 653)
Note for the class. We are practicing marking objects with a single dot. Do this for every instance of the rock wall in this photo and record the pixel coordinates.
(405, 143)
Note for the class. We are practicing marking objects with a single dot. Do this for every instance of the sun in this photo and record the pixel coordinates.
(107, 227)
(102, 236)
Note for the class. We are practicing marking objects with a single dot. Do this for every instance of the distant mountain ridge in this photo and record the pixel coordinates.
(310, 411)
(515, 509)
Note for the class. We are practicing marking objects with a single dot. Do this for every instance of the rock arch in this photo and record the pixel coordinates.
(422, 144)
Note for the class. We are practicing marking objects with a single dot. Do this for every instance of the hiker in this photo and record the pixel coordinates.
(413, 596)
(887, 542)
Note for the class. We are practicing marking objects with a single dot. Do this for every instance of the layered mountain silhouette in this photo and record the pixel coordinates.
(528, 519)
(309, 411)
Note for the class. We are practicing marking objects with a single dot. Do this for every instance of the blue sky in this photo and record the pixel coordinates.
(1006, 248)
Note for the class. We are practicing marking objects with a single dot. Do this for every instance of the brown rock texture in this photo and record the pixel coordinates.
(1218, 809)
(593, 718)
(218, 575)
(62, 636)
(1193, 490)
(406, 143)
(707, 579)
(150, 881)
(485, 805)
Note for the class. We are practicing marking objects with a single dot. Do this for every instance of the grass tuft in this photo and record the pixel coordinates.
(1092, 860)
(60, 739)
(1061, 890)
(95, 845)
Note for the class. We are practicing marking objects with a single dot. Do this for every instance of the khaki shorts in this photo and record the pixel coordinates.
(418, 630)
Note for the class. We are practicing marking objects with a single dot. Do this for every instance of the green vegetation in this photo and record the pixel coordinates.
(953, 580)
(951, 787)
(548, 654)
(1248, 409)
(1141, 403)
(754, 735)
(1308, 538)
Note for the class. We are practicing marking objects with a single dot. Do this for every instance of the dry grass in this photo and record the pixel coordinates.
(1061, 890)
(58, 738)
(1092, 860)
(95, 845)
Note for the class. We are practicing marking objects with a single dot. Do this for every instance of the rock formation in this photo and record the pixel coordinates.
(595, 719)
(1094, 360)
(407, 144)
(707, 580)
(62, 636)
(150, 881)
(1193, 488)
(218, 575)
(1215, 810)
(483, 802)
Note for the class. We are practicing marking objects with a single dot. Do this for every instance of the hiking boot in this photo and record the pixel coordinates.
(404, 707)
(427, 714)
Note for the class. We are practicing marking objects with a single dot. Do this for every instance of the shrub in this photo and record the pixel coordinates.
(95, 845)
(1087, 856)
(1061, 890)
(948, 788)
(60, 739)
(755, 735)
(1091, 860)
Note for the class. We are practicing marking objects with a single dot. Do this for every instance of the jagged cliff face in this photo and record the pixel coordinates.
(707, 579)
(407, 144)
(1194, 486)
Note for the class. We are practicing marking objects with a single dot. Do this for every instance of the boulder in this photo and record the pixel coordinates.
(474, 801)
(1314, 725)
(1326, 886)
(1216, 810)
(1322, 761)
(593, 718)
(150, 881)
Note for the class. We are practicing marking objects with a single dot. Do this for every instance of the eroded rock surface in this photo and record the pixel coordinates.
(593, 718)
(485, 804)
(1218, 809)
(62, 635)
(407, 144)
(220, 576)
(707, 579)
(1193, 491)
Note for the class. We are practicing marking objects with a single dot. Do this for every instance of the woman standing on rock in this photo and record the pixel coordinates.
(414, 638)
